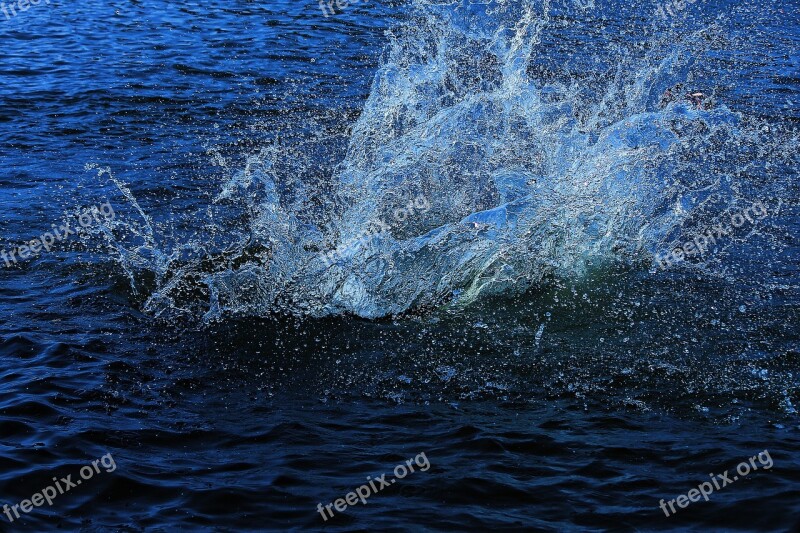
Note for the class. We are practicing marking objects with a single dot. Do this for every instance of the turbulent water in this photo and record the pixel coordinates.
(553, 245)
(512, 176)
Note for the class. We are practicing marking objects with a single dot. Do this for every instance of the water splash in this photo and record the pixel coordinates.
(527, 178)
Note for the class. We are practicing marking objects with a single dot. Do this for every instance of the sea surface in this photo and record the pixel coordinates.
(324, 242)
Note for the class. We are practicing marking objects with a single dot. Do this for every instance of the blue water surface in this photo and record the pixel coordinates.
(574, 405)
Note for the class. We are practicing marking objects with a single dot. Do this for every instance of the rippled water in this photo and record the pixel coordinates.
(266, 321)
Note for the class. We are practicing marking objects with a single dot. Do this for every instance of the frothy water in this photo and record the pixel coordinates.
(505, 176)
(523, 177)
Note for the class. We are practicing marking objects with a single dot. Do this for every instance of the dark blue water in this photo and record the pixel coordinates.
(518, 332)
